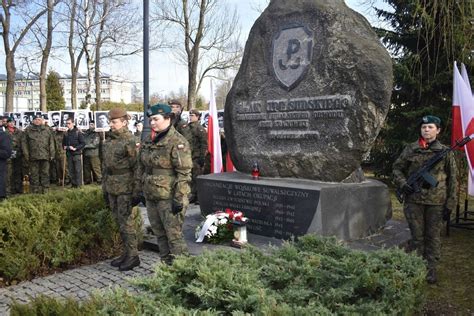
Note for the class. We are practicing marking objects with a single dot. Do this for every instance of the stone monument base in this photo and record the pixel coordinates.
(286, 207)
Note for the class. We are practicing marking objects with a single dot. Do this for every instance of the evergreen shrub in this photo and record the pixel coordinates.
(312, 276)
(40, 232)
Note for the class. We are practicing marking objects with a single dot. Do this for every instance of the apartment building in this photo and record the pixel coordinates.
(27, 91)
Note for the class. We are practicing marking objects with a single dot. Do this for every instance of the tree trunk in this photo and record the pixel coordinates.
(89, 58)
(72, 57)
(192, 86)
(98, 46)
(44, 60)
(98, 95)
(11, 74)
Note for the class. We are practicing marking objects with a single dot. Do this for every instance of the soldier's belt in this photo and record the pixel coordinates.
(118, 172)
(161, 172)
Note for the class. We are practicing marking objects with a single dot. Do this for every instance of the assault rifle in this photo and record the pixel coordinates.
(416, 179)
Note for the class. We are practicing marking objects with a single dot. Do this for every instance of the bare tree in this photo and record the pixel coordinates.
(45, 54)
(116, 36)
(204, 35)
(75, 51)
(13, 38)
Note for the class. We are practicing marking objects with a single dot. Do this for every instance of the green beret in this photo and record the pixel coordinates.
(431, 119)
(10, 119)
(159, 108)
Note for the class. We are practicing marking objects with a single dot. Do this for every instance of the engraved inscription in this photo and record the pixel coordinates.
(272, 211)
(291, 118)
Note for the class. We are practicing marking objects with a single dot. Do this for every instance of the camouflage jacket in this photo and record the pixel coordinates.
(164, 168)
(92, 140)
(15, 138)
(412, 158)
(198, 141)
(38, 143)
(181, 127)
(58, 136)
(119, 163)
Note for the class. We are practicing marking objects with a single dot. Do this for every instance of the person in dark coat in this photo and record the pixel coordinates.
(73, 143)
(5, 153)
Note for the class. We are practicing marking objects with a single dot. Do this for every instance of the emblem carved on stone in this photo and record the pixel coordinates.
(292, 53)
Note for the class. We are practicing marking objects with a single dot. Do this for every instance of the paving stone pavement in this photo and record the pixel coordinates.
(81, 282)
(77, 283)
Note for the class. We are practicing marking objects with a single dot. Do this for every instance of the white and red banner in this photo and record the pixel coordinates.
(213, 136)
(463, 99)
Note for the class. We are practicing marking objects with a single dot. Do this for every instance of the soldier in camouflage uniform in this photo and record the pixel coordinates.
(198, 142)
(91, 156)
(38, 150)
(61, 160)
(119, 164)
(425, 210)
(163, 175)
(15, 163)
(179, 124)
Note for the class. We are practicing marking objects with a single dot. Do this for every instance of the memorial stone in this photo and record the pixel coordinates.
(311, 94)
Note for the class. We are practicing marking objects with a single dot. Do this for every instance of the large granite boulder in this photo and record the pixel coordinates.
(311, 94)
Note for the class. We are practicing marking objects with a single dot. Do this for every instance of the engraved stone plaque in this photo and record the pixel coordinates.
(311, 94)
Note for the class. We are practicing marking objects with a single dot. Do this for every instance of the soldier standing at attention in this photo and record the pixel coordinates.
(15, 163)
(91, 156)
(163, 174)
(119, 164)
(425, 210)
(178, 123)
(38, 150)
(198, 142)
(73, 143)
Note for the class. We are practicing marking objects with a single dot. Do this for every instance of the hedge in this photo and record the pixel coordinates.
(312, 276)
(40, 232)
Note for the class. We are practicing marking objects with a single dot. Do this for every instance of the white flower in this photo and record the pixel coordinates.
(212, 229)
(222, 221)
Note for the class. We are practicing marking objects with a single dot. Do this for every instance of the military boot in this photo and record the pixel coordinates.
(431, 276)
(118, 261)
(129, 263)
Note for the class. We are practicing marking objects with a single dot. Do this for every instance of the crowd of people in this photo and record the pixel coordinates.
(159, 171)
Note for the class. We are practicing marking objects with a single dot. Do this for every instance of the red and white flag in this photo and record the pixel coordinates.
(213, 136)
(462, 97)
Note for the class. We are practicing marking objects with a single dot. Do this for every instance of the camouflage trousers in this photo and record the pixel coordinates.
(92, 170)
(196, 171)
(14, 176)
(425, 222)
(39, 175)
(121, 207)
(168, 229)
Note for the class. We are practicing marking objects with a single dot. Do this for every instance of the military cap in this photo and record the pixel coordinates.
(10, 119)
(174, 101)
(431, 119)
(91, 122)
(38, 115)
(158, 108)
(195, 112)
(117, 113)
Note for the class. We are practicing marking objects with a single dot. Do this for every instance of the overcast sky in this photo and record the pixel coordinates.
(166, 74)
